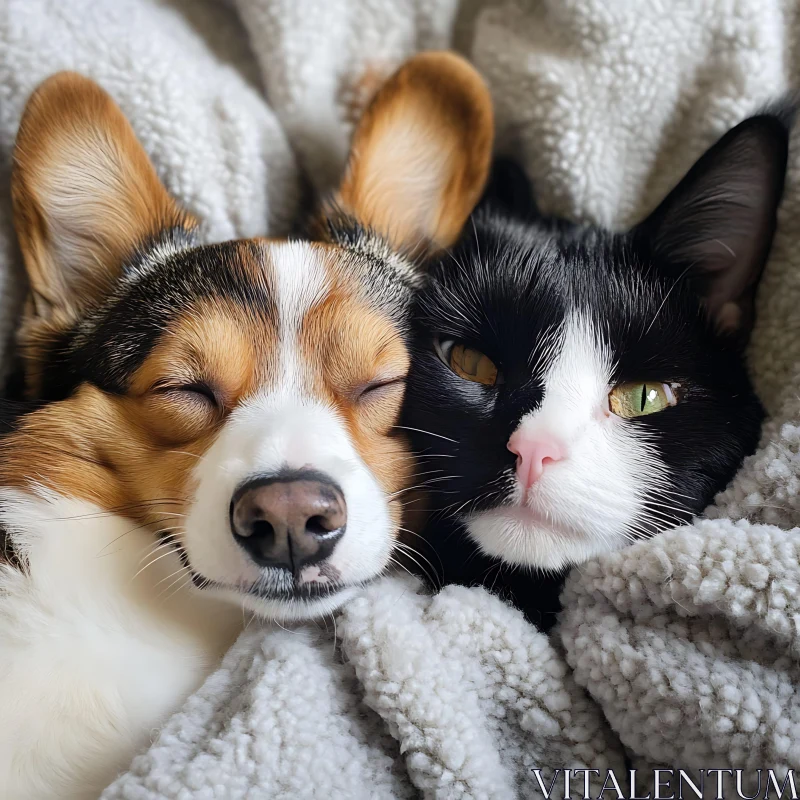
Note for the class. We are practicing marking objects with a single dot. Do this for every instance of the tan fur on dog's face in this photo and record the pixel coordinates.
(172, 372)
(135, 452)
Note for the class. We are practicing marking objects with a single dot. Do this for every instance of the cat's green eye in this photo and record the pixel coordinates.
(634, 399)
(467, 362)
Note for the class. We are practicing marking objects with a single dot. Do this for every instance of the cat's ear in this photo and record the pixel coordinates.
(421, 153)
(716, 227)
(85, 195)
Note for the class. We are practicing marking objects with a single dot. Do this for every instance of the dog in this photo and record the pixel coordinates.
(215, 425)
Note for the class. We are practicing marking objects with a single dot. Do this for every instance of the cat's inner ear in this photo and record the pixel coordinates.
(716, 227)
(421, 153)
(85, 195)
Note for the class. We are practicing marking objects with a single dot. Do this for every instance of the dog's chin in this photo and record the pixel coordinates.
(289, 603)
(522, 538)
(291, 609)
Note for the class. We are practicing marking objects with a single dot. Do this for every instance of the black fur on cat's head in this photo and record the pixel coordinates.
(541, 345)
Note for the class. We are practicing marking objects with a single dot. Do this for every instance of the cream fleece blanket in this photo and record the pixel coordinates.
(685, 650)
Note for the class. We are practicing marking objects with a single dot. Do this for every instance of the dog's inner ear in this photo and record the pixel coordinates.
(716, 227)
(85, 195)
(421, 153)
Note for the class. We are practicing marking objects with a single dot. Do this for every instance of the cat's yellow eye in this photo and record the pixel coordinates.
(634, 399)
(468, 363)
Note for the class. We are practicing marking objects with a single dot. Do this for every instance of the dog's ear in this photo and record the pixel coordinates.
(716, 227)
(85, 196)
(421, 153)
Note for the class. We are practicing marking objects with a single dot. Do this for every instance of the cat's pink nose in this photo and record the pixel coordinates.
(534, 451)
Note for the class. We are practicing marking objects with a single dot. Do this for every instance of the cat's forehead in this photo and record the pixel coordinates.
(508, 287)
(569, 266)
(532, 277)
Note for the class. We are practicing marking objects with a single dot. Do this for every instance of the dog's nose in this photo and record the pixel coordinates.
(289, 520)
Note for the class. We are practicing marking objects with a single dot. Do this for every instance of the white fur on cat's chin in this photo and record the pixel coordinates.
(501, 534)
(591, 501)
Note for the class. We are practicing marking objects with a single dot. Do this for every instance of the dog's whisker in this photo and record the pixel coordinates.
(149, 564)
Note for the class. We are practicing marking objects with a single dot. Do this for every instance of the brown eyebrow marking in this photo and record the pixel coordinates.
(345, 342)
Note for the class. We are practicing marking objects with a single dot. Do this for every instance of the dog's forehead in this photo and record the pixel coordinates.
(260, 290)
(282, 276)
(302, 275)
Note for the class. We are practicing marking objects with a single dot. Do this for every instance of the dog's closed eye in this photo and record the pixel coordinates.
(194, 391)
(379, 388)
(177, 409)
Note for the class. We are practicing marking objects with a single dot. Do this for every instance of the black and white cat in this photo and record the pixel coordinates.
(574, 389)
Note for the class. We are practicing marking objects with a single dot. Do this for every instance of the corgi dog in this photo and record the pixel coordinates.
(215, 425)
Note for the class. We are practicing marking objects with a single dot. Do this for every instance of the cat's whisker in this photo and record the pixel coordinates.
(424, 485)
(428, 472)
(443, 478)
(669, 292)
(429, 433)
(665, 507)
(678, 509)
(497, 576)
(672, 493)
(670, 519)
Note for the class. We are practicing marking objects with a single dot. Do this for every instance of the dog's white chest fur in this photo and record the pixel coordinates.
(93, 656)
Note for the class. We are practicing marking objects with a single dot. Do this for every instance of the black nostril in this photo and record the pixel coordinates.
(319, 526)
(262, 529)
(289, 520)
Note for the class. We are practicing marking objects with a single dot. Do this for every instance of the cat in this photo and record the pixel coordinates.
(574, 389)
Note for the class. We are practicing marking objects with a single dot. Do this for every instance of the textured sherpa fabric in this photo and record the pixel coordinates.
(281, 718)
(685, 648)
(473, 694)
(691, 645)
(396, 709)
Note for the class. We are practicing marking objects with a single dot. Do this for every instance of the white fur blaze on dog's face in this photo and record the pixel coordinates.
(266, 436)
(592, 492)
